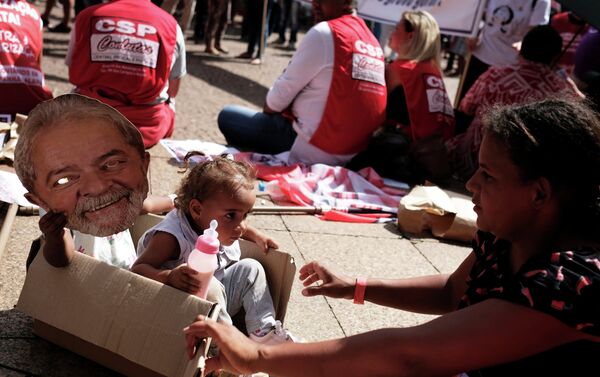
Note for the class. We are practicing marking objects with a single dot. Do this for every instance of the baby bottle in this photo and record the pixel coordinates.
(204, 257)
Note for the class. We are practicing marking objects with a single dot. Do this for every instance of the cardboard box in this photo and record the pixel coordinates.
(446, 214)
(279, 266)
(119, 319)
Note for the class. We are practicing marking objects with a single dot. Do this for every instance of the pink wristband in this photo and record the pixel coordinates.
(359, 290)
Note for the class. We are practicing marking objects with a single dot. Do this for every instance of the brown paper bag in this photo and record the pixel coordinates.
(445, 214)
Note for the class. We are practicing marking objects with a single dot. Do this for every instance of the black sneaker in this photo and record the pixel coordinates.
(60, 28)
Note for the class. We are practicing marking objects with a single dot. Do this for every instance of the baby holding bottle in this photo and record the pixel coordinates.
(218, 189)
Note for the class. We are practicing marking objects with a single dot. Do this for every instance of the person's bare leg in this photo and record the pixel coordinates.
(67, 8)
(47, 11)
(211, 24)
(221, 26)
(187, 14)
(169, 6)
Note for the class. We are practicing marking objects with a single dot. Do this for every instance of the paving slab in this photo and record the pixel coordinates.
(312, 224)
(310, 319)
(374, 257)
(444, 256)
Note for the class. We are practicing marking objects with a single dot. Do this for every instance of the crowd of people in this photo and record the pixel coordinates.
(522, 136)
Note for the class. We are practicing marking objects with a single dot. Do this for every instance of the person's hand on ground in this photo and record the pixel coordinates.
(184, 278)
(236, 351)
(331, 284)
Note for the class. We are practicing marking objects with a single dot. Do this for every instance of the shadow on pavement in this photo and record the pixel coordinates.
(223, 79)
(24, 354)
(51, 77)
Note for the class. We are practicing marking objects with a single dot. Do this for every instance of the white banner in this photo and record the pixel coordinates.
(455, 17)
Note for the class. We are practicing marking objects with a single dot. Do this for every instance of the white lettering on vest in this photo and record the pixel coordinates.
(435, 82)
(125, 27)
(21, 7)
(368, 49)
(10, 18)
(437, 98)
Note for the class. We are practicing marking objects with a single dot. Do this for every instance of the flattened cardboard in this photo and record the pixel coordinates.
(119, 319)
(446, 214)
(279, 266)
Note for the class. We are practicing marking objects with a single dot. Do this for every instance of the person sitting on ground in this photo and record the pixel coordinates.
(409, 147)
(218, 189)
(533, 78)
(524, 302)
(418, 101)
(505, 24)
(130, 54)
(328, 101)
(21, 78)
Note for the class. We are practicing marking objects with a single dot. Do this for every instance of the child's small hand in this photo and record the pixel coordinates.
(52, 225)
(184, 278)
(264, 242)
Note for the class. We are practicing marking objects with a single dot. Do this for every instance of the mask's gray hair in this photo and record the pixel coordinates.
(73, 108)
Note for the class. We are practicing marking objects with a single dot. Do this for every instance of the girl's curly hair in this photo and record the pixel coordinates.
(219, 174)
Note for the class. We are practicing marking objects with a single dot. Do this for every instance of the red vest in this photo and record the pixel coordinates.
(356, 101)
(122, 56)
(429, 108)
(21, 78)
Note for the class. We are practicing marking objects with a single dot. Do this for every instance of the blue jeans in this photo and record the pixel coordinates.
(256, 131)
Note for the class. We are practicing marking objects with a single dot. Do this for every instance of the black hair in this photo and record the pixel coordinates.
(542, 44)
(559, 140)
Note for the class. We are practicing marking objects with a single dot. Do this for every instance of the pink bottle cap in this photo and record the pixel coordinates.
(208, 242)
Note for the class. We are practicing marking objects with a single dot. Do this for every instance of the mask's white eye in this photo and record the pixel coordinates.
(63, 181)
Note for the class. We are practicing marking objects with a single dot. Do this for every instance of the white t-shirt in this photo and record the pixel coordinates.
(305, 85)
(117, 250)
(507, 22)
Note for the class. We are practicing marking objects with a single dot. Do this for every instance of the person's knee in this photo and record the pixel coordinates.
(252, 269)
(224, 118)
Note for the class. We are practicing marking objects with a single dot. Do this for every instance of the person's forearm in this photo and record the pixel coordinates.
(250, 234)
(157, 204)
(427, 294)
(59, 251)
(150, 272)
(375, 353)
(173, 87)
